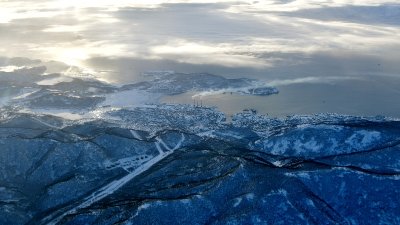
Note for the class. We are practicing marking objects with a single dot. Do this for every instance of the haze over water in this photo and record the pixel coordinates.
(337, 56)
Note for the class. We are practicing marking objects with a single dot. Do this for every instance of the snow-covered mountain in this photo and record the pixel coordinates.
(172, 168)
(185, 164)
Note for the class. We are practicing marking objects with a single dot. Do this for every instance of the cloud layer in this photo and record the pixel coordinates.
(268, 36)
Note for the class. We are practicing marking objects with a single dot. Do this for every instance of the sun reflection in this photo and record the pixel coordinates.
(73, 56)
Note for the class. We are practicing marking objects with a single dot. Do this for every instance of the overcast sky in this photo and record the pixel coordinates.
(278, 38)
